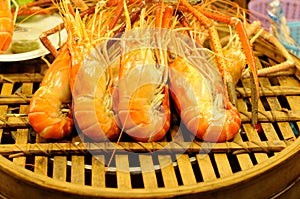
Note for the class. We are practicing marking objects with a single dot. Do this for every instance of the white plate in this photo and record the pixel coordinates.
(31, 30)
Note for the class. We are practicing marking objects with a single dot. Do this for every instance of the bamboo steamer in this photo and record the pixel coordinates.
(260, 181)
(255, 165)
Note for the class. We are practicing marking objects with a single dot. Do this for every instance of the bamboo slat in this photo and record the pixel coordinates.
(15, 121)
(206, 167)
(251, 133)
(186, 170)
(98, 171)
(123, 172)
(6, 90)
(21, 77)
(77, 170)
(268, 90)
(60, 168)
(167, 170)
(253, 136)
(80, 148)
(41, 165)
(148, 172)
(292, 100)
(22, 134)
(223, 164)
(41, 162)
(77, 167)
(274, 104)
(244, 160)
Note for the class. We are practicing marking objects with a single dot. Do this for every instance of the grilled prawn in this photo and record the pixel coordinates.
(45, 111)
(6, 25)
(193, 100)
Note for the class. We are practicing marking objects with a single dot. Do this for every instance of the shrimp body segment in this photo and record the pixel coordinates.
(93, 101)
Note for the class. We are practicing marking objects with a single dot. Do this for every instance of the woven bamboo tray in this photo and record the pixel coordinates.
(260, 165)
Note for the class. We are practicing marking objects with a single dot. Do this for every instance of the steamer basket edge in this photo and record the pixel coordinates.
(18, 182)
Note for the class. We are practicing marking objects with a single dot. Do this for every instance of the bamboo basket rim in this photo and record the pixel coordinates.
(243, 176)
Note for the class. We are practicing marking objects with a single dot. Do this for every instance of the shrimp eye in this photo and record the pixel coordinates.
(171, 57)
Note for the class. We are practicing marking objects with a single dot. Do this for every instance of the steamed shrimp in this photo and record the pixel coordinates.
(45, 111)
(143, 107)
(6, 25)
(89, 80)
(143, 93)
(193, 100)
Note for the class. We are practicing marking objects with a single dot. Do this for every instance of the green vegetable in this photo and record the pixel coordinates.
(22, 46)
(20, 4)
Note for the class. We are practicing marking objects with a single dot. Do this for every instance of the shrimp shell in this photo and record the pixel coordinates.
(193, 100)
(45, 109)
(6, 25)
(143, 107)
